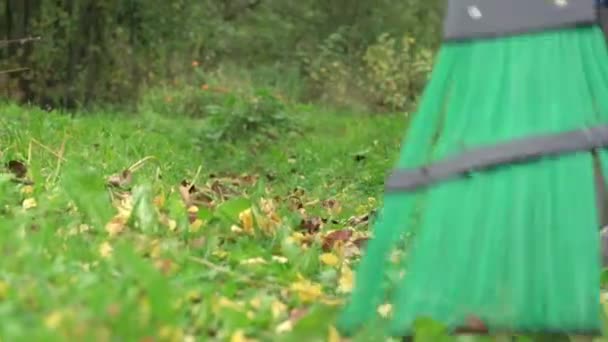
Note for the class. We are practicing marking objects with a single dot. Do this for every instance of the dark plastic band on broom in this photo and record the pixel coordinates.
(519, 150)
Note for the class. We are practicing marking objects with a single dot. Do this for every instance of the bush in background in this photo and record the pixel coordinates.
(96, 52)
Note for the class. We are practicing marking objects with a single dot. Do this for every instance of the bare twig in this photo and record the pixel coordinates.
(139, 163)
(58, 156)
(8, 42)
(10, 71)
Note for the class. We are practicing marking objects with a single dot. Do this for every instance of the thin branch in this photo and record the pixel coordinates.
(48, 149)
(10, 71)
(8, 42)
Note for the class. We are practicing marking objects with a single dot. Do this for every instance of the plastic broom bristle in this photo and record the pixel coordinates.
(516, 247)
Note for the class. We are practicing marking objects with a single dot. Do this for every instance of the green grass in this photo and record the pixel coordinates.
(171, 275)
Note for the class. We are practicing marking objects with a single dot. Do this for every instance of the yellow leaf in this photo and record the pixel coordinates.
(278, 308)
(246, 217)
(329, 259)
(253, 261)
(307, 291)
(168, 333)
(334, 335)
(255, 303)
(280, 259)
(332, 301)
(345, 283)
(239, 336)
(236, 229)
(284, 327)
(225, 303)
(116, 225)
(196, 225)
(105, 249)
(53, 320)
(159, 201)
(29, 203)
(28, 189)
(220, 253)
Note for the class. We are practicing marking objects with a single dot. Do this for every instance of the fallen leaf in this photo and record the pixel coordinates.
(27, 189)
(255, 303)
(329, 259)
(239, 336)
(332, 238)
(307, 291)
(29, 203)
(116, 225)
(105, 249)
(53, 319)
(334, 335)
(476, 324)
(280, 259)
(113, 310)
(196, 225)
(120, 180)
(191, 195)
(311, 225)
(333, 206)
(345, 283)
(246, 218)
(298, 313)
(284, 327)
(253, 261)
(277, 308)
(17, 168)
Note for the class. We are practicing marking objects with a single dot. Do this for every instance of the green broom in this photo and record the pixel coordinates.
(497, 176)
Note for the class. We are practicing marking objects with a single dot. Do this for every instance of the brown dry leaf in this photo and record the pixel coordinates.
(164, 265)
(120, 180)
(311, 225)
(113, 310)
(476, 324)
(191, 195)
(361, 220)
(17, 168)
(332, 238)
(298, 313)
(294, 316)
(116, 225)
(332, 206)
(159, 201)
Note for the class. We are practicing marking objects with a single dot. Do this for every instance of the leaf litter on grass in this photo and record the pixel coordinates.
(224, 255)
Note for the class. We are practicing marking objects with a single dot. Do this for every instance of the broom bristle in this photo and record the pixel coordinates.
(516, 247)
